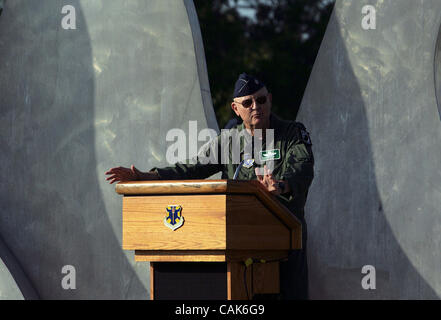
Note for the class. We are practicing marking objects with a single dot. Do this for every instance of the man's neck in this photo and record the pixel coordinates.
(250, 128)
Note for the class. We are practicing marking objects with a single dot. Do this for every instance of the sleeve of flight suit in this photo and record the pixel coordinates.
(205, 165)
(299, 162)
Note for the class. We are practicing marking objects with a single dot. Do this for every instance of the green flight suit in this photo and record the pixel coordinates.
(295, 166)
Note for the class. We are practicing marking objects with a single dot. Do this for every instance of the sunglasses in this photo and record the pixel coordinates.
(249, 102)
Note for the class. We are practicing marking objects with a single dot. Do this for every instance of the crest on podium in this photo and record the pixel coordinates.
(174, 218)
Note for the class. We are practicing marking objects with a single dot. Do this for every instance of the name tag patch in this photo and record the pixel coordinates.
(273, 154)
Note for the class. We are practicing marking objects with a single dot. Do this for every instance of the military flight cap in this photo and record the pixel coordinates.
(246, 85)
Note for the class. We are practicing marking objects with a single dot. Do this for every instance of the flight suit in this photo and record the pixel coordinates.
(292, 162)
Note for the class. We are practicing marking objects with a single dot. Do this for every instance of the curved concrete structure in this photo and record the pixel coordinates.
(9, 289)
(75, 103)
(14, 283)
(371, 108)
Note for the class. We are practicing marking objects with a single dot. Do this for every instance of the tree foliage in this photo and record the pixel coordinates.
(279, 46)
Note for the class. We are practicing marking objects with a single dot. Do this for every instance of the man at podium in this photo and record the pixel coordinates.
(284, 166)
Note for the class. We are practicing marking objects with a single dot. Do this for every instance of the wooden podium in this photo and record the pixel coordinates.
(226, 223)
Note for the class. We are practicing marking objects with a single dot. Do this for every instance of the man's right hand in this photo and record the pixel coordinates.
(129, 174)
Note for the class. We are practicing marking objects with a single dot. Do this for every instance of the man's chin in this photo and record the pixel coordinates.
(259, 123)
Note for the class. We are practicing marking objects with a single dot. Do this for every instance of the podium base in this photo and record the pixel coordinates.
(189, 280)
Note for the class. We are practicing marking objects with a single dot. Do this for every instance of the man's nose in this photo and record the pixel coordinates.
(255, 105)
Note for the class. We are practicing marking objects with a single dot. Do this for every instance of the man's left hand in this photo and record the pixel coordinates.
(268, 181)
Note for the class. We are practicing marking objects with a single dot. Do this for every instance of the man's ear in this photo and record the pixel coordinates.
(234, 107)
(270, 97)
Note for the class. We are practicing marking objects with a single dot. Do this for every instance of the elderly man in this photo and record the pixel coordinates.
(288, 177)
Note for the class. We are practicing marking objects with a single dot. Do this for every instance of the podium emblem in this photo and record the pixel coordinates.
(174, 218)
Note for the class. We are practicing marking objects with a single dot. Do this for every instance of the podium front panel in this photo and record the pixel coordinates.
(203, 228)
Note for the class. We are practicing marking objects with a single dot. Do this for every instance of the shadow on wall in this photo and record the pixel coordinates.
(53, 213)
(437, 72)
(346, 223)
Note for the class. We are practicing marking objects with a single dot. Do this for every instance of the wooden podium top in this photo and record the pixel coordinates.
(254, 187)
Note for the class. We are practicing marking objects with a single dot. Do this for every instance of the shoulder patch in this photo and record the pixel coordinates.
(304, 134)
